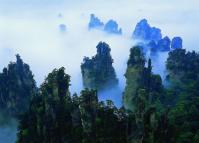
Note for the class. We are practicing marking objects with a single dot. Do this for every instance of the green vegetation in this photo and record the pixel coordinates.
(55, 117)
(151, 112)
(49, 118)
(98, 72)
(17, 86)
(183, 78)
(140, 78)
(142, 97)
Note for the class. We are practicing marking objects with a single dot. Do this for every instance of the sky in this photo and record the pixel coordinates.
(31, 28)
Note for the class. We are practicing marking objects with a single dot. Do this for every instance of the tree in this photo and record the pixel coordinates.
(140, 77)
(88, 109)
(183, 79)
(17, 87)
(49, 117)
(142, 96)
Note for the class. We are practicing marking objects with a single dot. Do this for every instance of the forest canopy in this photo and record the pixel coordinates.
(154, 109)
(152, 112)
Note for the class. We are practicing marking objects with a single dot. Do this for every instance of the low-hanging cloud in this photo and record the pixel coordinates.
(31, 28)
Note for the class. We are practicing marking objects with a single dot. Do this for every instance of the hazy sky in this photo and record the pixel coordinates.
(30, 28)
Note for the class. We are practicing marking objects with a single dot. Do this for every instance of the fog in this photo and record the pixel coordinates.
(8, 128)
(8, 132)
(31, 28)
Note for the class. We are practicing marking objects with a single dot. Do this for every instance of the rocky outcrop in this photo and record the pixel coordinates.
(152, 40)
(164, 44)
(98, 72)
(17, 86)
(95, 22)
(111, 27)
(144, 31)
(138, 77)
(176, 43)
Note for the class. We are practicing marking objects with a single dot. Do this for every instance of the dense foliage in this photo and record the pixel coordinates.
(183, 79)
(98, 72)
(17, 86)
(151, 112)
(175, 109)
(139, 77)
(142, 97)
(56, 117)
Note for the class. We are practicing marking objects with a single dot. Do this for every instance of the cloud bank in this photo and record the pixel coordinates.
(31, 28)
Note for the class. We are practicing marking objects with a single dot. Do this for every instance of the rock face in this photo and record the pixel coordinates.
(141, 95)
(112, 27)
(153, 46)
(95, 22)
(152, 38)
(144, 31)
(140, 77)
(98, 72)
(17, 86)
(135, 66)
(176, 43)
(164, 44)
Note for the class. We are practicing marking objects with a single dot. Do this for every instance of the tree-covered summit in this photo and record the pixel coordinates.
(17, 86)
(57, 117)
(151, 113)
(98, 72)
(139, 76)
